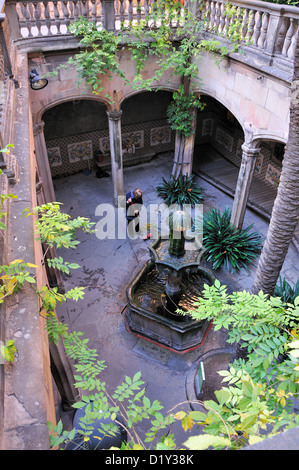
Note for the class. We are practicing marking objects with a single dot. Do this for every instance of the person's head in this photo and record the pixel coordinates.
(137, 193)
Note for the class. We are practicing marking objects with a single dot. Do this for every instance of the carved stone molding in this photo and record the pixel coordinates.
(38, 128)
(114, 115)
(11, 170)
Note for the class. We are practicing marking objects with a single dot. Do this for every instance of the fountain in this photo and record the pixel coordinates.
(172, 279)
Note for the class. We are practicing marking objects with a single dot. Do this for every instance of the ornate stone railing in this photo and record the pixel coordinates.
(267, 28)
(52, 17)
(272, 28)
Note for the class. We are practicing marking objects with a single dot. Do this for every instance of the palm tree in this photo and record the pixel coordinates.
(285, 213)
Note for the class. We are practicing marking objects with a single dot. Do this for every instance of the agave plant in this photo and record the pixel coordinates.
(225, 245)
(284, 290)
(181, 190)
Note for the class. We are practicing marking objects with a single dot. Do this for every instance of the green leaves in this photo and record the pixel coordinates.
(225, 245)
(55, 328)
(58, 435)
(49, 298)
(206, 441)
(262, 326)
(181, 190)
(179, 112)
(127, 388)
(62, 265)
(287, 293)
(8, 351)
(3, 198)
(243, 409)
(173, 48)
(127, 405)
(294, 345)
(256, 392)
(98, 53)
(15, 276)
(57, 228)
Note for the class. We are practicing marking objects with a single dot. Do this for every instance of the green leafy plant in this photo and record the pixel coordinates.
(7, 286)
(5, 197)
(54, 229)
(57, 228)
(98, 54)
(49, 298)
(181, 190)
(253, 403)
(8, 350)
(128, 403)
(256, 400)
(263, 326)
(15, 275)
(225, 245)
(179, 111)
(285, 291)
(173, 39)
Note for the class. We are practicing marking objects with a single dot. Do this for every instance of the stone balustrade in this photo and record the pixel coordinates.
(52, 17)
(267, 28)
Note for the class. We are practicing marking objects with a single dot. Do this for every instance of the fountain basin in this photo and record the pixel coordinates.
(159, 252)
(147, 313)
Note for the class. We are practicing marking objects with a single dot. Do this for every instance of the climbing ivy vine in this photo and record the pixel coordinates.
(172, 39)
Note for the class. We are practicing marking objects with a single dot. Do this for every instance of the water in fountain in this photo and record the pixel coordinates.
(150, 293)
(172, 280)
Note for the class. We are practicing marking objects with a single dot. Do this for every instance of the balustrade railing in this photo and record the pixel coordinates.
(266, 27)
(269, 27)
(48, 18)
(51, 17)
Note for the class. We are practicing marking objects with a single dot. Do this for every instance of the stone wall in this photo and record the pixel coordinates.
(71, 154)
(254, 100)
(27, 399)
(217, 127)
(259, 101)
(76, 129)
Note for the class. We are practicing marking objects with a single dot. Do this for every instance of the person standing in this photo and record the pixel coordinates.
(133, 205)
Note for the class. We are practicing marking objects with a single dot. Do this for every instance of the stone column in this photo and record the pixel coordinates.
(114, 118)
(243, 184)
(42, 161)
(189, 148)
(184, 149)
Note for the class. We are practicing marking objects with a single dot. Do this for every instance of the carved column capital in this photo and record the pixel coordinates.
(114, 115)
(38, 128)
(250, 151)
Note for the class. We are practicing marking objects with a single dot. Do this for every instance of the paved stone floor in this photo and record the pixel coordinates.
(108, 265)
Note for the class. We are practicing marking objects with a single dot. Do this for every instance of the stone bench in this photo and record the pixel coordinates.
(144, 154)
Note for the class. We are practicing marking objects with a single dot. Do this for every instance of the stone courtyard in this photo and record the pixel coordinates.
(107, 266)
